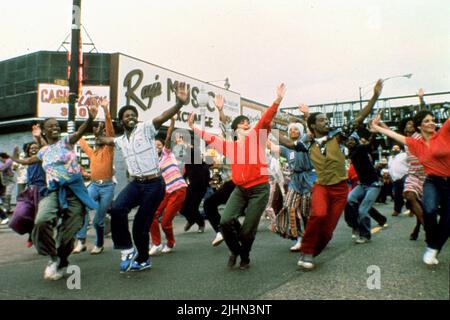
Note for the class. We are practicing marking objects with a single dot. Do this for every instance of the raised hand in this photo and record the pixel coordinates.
(219, 101)
(374, 124)
(420, 93)
(378, 88)
(104, 103)
(281, 90)
(303, 108)
(181, 92)
(36, 131)
(191, 120)
(93, 108)
(16, 152)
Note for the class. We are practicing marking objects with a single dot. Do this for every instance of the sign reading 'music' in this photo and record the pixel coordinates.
(53, 101)
(151, 89)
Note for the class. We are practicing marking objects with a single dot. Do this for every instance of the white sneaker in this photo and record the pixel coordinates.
(5, 221)
(59, 274)
(429, 257)
(51, 269)
(296, 246)
(306, 261)
(218, 239)
(167, 249)
(155, 250)
(79, 247)
(97, 250)
(362, 240)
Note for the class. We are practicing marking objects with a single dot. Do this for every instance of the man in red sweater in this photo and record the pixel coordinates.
(249, 174)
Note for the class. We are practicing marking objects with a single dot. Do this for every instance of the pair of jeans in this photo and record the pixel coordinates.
(253, 201)
(397, 190)
(147, 195)
(436, 201)
(211, 204)
(103, 195)
(359, 202)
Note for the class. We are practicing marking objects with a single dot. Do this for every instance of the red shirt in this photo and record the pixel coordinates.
(353, 176)
(248, 163)
(435, 156)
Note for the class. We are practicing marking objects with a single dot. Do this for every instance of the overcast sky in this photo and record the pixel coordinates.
(323, 50)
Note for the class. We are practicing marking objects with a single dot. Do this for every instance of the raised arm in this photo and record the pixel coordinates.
(168, 142)
(37, 137)
(210, 139)
(27, 161)
(85, 147)
(303, 108)
(109, 128)
(182, 97)
(422, 105)
(219, 101)
(274, 148)
(376, 127)
(93, 110)
(369, 107)
(266, 119)
(288, 143)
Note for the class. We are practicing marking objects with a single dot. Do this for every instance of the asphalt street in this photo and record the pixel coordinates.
(196, 270)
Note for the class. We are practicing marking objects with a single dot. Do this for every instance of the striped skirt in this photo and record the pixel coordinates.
(296, 211)
(414, 183)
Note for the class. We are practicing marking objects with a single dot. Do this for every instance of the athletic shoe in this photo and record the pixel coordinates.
(218, 239)
(306, 261)
(167, 249)
(362, 240)
(127, 261)
(430, 256)
(296, 247)
(155, 249)
(97, 250)
(79, 247)
(136, 266)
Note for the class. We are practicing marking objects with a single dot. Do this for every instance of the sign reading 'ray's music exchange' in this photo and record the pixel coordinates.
(151, 89)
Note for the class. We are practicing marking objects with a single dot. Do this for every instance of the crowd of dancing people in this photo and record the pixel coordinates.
(302, 182)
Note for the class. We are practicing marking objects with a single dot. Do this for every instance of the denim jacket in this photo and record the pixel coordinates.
(76, 185)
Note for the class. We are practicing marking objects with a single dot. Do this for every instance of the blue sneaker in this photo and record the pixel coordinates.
(136, 266)
(127, 261)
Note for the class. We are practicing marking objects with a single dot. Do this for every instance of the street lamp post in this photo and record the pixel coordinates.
(408, 76)
(74, 81)
(226, 84)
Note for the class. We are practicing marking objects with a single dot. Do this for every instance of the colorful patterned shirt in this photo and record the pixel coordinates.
(170, 171)
(59, 160)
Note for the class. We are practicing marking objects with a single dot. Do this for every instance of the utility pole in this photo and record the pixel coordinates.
(74, 83)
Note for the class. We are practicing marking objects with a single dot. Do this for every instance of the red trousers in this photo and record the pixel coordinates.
(327, 205)
(171, 204)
